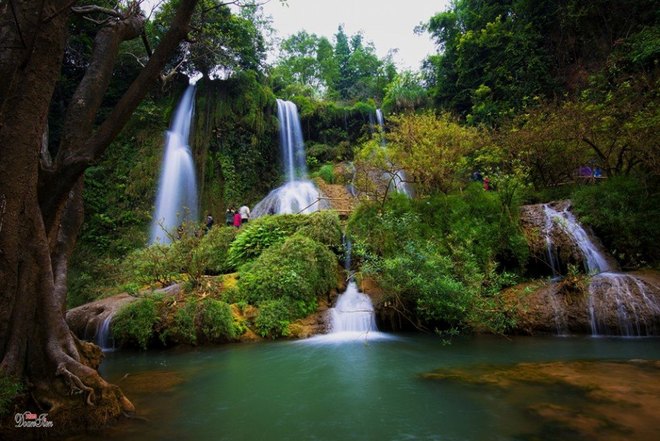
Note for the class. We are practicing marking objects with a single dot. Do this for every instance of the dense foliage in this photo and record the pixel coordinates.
(498, 57)
(442, 259)
(349, 70)
(521, 92)
(623, 213)
(286, 281)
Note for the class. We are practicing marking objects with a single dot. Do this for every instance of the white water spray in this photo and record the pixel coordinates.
(298, 194)
(104, 336)
(617, 301)
(176, 201)
(594, 259)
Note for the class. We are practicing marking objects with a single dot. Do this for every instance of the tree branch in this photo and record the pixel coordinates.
(92, 9)
(121, 113)
(80, 147)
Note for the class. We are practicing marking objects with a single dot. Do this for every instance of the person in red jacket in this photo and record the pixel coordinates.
(237, 219)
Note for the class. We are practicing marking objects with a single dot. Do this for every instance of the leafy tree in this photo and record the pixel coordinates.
(40, 196)
(310, 66)
(492, 61)
(221, 43)
(498, 57)
(404, 93)
(298, 63)
(433, 150)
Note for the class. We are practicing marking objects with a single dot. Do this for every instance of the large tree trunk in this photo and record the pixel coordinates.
(41, 201)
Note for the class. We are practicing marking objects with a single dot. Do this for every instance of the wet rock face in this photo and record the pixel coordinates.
(86, 319)
(605, 304)
(553, 250)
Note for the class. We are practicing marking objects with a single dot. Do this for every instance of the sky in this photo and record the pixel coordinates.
(389, 24)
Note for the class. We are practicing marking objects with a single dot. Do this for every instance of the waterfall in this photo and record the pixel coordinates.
(353, 313)
(396, 179)
(553, 262)
(617, 303)
(103, 335)
(353, 317)
(594, 259)
(298, 194)
(176, 201)
(291, 141)
(623, 302)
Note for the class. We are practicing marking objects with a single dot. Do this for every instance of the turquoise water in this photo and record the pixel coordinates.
(360, 390)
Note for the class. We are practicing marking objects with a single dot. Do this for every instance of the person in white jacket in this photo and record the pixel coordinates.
(245, 214)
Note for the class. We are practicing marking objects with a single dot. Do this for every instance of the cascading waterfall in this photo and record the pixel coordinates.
(176, 201)
(628, 296)
(398, 178)
(631, 299)
(353, 316)
(353, 313)
(594, 259)
(298, 194)
(104, 336)
(553, 262)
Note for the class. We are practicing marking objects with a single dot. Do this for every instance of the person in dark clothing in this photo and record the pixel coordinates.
(209, 222)
(229, 217)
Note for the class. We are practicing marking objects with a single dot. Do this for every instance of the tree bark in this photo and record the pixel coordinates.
(41, 204)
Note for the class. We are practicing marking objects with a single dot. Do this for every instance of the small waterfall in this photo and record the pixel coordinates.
(353, 317)
(298, 194)
(594, 259)
(176, 200)
(104, 336)
(398, 178)
(618, 303)
(551, 254)
(623, 302)
(353, 313)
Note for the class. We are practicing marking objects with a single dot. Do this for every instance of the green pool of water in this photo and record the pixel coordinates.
(360, 390)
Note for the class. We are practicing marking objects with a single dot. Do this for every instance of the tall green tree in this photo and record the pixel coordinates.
(221, 42)
(496, 57)
(40, 192)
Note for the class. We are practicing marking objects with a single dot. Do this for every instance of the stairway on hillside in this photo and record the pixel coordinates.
(338, 197)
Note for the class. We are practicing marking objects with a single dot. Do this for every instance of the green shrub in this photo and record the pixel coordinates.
(215, 320)
(154, 264)
(210, 256)
(9, 388)
(183, 328)
(324, 227)
(326, 172)
(298, 270)
(273, 319)
(623, 213)
(321, 152)
(443, 256)
(260, 234)
(266, 231)
(134, 323)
